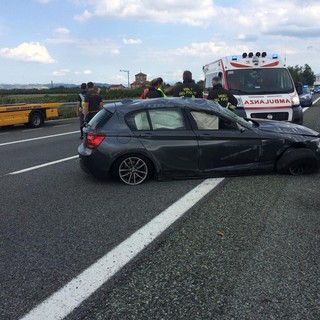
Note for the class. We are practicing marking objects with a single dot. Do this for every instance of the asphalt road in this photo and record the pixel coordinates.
(248, 250)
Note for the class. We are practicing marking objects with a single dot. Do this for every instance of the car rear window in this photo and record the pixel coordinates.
(100, 119)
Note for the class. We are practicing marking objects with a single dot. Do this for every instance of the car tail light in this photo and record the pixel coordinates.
(93, 140)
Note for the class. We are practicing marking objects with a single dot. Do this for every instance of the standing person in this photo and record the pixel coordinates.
(154, 91)
(154, 84)
(188, 88)
(222, 95)
(93, 102)
(80, 107)
(160, 87)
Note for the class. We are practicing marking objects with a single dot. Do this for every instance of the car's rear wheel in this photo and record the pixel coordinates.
(297, 162)
(132, 169)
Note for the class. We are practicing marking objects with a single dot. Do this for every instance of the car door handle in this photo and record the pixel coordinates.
(146, 135)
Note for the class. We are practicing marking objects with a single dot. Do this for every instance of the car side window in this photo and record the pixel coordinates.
(205, 121)
(163, 119)
(140, 121)
(209, 121)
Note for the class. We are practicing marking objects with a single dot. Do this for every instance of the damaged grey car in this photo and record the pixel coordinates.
(176, 138)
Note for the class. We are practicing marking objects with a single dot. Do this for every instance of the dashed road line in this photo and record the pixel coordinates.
(38, 138)
(42, 165)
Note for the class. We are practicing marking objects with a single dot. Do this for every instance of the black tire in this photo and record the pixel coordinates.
(36, 119)
(297, 162)
(132, 169)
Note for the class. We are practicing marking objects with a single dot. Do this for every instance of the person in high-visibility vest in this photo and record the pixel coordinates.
(155, 90)
(160, 84)
(80, 107)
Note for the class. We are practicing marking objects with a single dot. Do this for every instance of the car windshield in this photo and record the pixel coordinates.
(305, 90)
(259, 81)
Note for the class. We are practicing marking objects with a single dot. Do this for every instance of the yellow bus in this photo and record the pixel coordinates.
(31, 114)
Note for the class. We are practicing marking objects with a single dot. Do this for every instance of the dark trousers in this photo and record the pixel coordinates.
(90, 115)
(81, 118)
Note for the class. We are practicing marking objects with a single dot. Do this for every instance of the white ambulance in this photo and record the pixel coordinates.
(262, 84)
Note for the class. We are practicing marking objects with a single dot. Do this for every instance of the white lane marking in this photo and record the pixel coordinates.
(65, 300)
(38, 138)
(55, 126)
(62, 125)
(42, 165)
(315, 101)
(28, 130)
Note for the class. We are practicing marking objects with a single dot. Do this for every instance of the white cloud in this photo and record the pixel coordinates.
(61, 73)
(62, 40)
(91, 47)
(282, 18)
(131, 41)
(176, 11)
(32, 51)
(43, 1)
(84, 16)
(246, 37)
(238, 26)
(61, 36)
(211, 48)
(98, 47)
(61, 31)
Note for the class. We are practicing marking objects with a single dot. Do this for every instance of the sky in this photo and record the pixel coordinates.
(75, 41)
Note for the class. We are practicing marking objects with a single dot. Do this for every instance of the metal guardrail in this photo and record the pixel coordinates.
(73, 104)
(68, 109)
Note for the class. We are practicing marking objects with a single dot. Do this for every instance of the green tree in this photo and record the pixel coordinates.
(308, 75)
(303, 74)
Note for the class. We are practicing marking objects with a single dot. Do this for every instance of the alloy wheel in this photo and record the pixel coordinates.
(133, 170)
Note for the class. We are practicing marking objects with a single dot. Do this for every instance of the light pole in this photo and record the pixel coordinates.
(127, 71)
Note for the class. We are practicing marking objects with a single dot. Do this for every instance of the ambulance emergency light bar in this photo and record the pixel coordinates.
(258, 54)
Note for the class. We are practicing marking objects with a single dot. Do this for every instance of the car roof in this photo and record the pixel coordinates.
(126, 106)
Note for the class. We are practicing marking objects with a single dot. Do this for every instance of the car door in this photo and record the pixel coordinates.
(223, 146)
(168, 139)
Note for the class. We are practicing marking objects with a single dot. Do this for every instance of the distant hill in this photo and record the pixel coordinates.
(46, 86)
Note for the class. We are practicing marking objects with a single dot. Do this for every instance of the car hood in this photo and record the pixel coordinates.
(285, 127)
(305, 95)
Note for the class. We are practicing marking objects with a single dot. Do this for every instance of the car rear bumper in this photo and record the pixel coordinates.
(93, 162)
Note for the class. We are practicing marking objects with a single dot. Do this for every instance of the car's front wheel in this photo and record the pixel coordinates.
(132, 169)
(297, 162)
